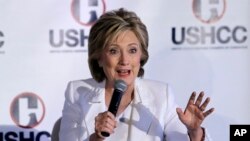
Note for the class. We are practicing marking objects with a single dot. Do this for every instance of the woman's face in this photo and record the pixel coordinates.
(121, 59)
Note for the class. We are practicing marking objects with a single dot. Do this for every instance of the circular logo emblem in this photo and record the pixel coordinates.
(209, 11)
(86, 12)
(27, 110)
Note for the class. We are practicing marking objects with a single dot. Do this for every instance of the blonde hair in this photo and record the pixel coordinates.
(106, 29)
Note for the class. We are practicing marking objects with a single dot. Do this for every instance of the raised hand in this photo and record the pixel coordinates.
(194, 113)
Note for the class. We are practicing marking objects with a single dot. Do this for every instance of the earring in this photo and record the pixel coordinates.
(99, 64)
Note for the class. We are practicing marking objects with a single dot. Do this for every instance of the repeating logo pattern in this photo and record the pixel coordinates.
(86, 12)
(209, 11)
(27, 110)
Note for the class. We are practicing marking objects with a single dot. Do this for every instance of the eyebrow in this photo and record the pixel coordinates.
(134, 44)
(114, 44)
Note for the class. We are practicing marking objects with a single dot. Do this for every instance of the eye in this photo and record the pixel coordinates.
(133, 50)
(113, 51)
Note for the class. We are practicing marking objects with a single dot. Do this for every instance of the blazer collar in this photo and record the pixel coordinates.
(141, 93)
(140, 96)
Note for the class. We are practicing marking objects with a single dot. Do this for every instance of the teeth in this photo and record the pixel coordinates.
(123, 71)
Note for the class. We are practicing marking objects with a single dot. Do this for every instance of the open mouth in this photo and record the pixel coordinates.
(123, 72)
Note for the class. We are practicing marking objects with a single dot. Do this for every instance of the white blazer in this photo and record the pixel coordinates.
(150, 117)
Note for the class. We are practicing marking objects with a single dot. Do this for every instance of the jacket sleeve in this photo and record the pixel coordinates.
(71, 128)
(175, 130)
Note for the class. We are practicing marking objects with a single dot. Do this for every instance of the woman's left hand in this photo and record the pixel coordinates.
(194, 113)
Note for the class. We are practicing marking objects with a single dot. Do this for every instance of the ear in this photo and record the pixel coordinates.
(100, 64)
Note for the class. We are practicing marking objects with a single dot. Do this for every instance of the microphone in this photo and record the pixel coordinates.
(120, 87)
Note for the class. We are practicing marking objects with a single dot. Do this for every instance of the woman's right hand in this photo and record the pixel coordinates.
(104, 122)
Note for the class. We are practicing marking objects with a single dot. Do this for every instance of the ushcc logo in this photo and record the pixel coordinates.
(209, 11)
(86, 12)
(27, 110)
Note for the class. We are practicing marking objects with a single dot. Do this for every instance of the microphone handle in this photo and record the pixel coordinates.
(114, 105)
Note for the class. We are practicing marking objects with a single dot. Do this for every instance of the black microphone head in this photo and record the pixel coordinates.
(120, 85)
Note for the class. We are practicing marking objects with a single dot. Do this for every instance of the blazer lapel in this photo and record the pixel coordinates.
(96, 105)
(141, 115)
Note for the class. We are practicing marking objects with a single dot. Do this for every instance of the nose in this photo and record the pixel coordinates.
(124, 59)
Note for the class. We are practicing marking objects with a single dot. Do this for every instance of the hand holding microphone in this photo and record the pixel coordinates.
(119, 88)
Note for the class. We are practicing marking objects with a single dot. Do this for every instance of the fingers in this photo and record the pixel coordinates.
(179, 112)
(198, 103)
(204, 105)
(105, 122)
(208, 112)
(199, 99)
(192, 98)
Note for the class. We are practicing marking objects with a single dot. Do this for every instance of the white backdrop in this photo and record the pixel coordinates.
(194, 46)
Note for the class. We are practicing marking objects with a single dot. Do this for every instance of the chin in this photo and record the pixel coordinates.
(129, 81)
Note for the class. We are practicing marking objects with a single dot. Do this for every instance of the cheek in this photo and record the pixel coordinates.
(109, 65)
(137, 63)
(106, 61)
